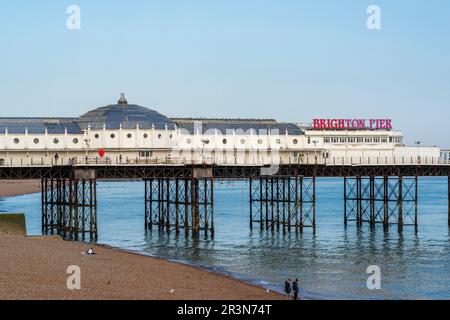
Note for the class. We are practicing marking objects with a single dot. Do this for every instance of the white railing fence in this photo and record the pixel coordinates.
(236, 161)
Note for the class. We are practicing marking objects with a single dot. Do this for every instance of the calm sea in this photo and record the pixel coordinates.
(331, 263)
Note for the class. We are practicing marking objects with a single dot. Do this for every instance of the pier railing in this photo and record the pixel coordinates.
(252, 161)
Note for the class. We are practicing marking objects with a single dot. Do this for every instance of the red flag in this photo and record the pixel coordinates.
(101, 153)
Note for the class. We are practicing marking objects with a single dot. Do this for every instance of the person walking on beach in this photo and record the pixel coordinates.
(288, 288)
(295, 289)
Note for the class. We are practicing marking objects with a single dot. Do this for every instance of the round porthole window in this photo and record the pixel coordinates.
(75, 141)
(145, 136)
(188, 141)
(224, 141)
(260, 141)
(278, 141)
(129, 136)
(242, 141)
(16, 140)
(96, 136)
(36, 140)
(113, 135)
(159, 136)
(56, 141)
(295, 141)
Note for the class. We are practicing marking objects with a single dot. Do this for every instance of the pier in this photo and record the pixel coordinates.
(181, 197)
(180, 159)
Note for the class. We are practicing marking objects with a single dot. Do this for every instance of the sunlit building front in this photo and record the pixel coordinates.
(124, 133)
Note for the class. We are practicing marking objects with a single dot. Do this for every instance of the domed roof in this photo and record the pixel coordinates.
(126, 115)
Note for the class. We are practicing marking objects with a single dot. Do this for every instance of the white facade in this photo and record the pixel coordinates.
(169, 144)
(175, 146)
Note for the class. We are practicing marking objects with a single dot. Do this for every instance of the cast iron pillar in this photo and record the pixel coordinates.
(386, 200)
(181, 203)
(69, 208)
(282, 201)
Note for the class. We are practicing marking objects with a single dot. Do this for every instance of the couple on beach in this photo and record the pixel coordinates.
(291, 287)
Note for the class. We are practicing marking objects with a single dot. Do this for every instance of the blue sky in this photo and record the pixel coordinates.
(289, 60)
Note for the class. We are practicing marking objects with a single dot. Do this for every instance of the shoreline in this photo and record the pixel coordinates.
(18, 254)
(35, 268)
(204, 268)
(14, 188)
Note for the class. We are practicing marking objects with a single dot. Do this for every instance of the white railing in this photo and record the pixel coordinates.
(155, 161)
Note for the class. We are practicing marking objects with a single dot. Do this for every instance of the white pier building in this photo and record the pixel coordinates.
(122, 133)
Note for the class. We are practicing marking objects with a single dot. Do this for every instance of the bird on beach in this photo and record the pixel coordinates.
(90, 251)
(171, 291)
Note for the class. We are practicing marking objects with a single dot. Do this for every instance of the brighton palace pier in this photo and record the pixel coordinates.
(180, 158)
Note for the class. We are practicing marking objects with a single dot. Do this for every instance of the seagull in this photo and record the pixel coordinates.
(90, 251)
(171, 291)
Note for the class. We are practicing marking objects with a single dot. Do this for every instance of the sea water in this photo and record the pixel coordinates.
(330, 263)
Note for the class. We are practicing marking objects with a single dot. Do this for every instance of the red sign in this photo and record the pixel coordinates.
(360, 124)
(101, 153)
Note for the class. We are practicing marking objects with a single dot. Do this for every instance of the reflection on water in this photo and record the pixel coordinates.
(330, 262)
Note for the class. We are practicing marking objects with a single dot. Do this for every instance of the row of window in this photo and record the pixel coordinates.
(260, 141)
(75, 140)
(36, 141)
(113, 136)
(242, 141)
(129, 136)
(362, 139)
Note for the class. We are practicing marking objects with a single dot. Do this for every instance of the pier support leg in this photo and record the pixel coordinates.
(69, 208)
(283, 201)
(181, 203)
(345, 201)
(251, 201)
(308, 201)
(195, 206)
(416, 201)
(400, 203)
(372, 200)
(359, 201)
(387, 200)
(448, 190)
(351, 200)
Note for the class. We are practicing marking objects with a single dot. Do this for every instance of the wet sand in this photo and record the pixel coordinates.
(9, 188)
(35, 268)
